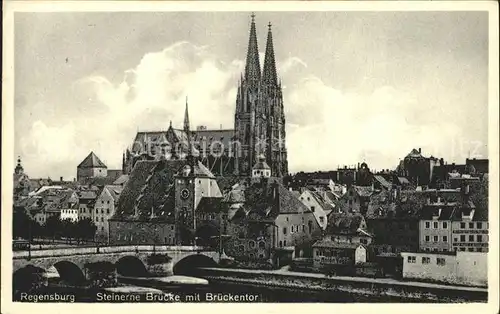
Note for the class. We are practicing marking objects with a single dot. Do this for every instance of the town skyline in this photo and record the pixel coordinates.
(118, 93)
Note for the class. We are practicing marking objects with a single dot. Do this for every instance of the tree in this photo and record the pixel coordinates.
(68, 229)
(20, 223)
(85, 229)
(53, 227)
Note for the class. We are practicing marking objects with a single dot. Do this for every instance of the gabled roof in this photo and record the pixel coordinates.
(209, 205)
(114, 191)
(326, 242)
(414, 154)
(441, 212)
(149, 189)
(121, 180)
(92, 161)
(363, 191)
(380, 179)
(343, 223)
(264, 199)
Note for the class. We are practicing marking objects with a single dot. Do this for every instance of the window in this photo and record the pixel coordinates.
(479, 238)
(284, 230)
(251, 244)
(471, 225)
(412, 259)
(281, 243)
(308, 198)
(241, 235)
(321, 219)
(479, 225)
(445, 225)
(102, 219)
(441, 261)
(107, 211)
(436, 238)
(303, 228)
(462, 238)
(102, 211)
(435, 225)
(97, 211)
(312, 209)
(445, 239)
(427, 225)
(364, 241)
(427, 238)
(470, 249)
(284, 242)
(462, 225)
(262, 244)
(471, 238)
(426, 260)
(462, 249)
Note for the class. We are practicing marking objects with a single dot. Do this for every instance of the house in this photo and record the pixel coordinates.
(328, 253)
(357, 198)
(463, 268)
(317, 205)
(86, 203)
(344, 242)
(469, 229)
(267, 223)
(435, 227)
(91, 167)
(164, 202)
(104, 209)
(477, 166)
(69, 206)
(393, 219)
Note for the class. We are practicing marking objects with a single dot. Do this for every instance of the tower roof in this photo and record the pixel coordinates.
(186, 117)
(252, 67)
(92, 161)
(269, 73)
(261, 163)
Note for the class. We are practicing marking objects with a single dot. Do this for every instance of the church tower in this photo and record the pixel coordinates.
(246, 102)
(260, 118)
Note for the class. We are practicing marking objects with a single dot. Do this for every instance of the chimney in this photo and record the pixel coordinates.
(419, 150)
(61, 179)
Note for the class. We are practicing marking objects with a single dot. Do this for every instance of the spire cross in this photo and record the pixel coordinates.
(269, 25)
(253, 16)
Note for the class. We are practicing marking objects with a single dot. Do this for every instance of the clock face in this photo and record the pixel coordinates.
(184, 193)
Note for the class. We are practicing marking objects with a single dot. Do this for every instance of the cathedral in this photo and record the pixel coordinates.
(259, 125)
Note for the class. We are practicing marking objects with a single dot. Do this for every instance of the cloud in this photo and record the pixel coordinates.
(326, 127)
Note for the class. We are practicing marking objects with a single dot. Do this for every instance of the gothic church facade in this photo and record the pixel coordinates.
(259, 125)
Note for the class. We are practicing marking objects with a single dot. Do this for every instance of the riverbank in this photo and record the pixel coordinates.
(370, 287)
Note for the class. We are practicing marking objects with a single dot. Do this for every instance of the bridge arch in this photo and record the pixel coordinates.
(69, 272)
(189, 264)
(131, 266)
(27, 279)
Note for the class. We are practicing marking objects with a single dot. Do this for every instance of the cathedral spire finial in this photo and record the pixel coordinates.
(252, 67)
(186, 117)
(269, 72)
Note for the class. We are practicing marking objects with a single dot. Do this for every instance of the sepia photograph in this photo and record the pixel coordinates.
(250, 155)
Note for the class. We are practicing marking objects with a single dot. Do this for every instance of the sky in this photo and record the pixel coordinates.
(357, 86)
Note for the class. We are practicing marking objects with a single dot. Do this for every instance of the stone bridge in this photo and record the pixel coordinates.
(69, 263)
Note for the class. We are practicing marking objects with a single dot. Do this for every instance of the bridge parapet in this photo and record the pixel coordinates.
(106, 249)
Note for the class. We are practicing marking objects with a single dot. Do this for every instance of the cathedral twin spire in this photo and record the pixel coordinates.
(252, 67)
